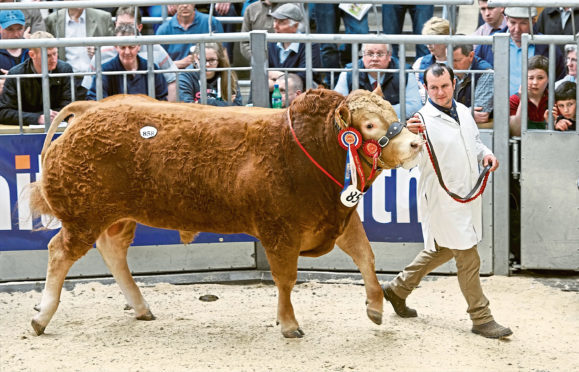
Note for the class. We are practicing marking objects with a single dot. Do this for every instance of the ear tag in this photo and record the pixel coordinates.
(148, 132)
(349, 136)
(350, 196)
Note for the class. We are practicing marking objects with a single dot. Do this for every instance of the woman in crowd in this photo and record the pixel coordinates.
(222, 86)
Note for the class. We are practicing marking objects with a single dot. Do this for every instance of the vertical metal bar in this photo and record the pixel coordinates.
(229, 87)
(99, 73)
(472, 86)
(309, 72)
(203, 72)
(259, 80)
(402, 77)
(19, 99)
(151, 71)
(551, 96)
(177, 90)
(125, 86)
(45, 89)
(355, 70)
(72, 89)
(524, 82)
(501, 176)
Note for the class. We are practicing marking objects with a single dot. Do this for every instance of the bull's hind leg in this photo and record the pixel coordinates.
(63, 251)
(283, 262)
(355, 243)
(113, 245)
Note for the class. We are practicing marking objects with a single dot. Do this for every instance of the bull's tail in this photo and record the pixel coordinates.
(38, 204)
(75, 108)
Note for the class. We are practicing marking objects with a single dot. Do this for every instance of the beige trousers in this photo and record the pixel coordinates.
(468, 266)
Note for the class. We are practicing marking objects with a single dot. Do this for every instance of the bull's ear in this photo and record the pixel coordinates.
(378, 91)
(342, 116)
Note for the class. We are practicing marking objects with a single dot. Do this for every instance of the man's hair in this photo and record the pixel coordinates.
(437, 69)
(40, 35)
(465, 49)
(126, 30)
(570, 48)
(130, 11)
(565, 91)
(436, 26)
(388, 47)
(539, 62)
(295, 82)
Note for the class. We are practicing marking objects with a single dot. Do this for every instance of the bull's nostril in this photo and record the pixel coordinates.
(414, 145)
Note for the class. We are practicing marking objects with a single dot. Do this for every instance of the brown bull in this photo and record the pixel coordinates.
(213, 169)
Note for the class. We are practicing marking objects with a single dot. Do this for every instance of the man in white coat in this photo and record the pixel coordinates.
(450, 229)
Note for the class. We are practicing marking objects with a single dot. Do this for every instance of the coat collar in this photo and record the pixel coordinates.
(432, 111)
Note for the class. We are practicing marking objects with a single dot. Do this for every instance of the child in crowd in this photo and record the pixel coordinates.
(565, 106)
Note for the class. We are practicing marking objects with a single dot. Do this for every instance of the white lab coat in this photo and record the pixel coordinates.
(460, 151)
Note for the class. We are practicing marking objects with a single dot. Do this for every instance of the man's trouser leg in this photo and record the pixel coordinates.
(468, 267)
(423, 263)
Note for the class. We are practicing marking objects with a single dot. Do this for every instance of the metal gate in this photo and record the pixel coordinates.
(550, 200)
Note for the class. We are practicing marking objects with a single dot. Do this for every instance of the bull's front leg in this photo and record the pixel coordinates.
(355, 243)
(283, 262)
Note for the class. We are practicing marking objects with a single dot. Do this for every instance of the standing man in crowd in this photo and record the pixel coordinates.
(33, 19)
(187, 21)
(379, 57)
(287, 19)
(31, 88)
(464, 59)
(450, 229)
(557, 21)
(493, 17)
(257, 16)
(393, 22)
(517, 25)
(79, 23)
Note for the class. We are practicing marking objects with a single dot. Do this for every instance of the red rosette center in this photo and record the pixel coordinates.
(350, 136)
(371, 148)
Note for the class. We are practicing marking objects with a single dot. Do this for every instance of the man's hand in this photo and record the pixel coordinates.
(183, 63)
(480, 116)
(222, 8)
(414, 124)
(26, 34)
(555, 114)
(52, 116)
(490, 159)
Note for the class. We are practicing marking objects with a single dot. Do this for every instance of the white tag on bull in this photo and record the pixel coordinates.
(351, 196)
(148, 132)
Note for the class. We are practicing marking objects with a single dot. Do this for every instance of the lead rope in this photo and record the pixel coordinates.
(483, 177)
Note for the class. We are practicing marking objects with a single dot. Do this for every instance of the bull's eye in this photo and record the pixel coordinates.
(370, 126)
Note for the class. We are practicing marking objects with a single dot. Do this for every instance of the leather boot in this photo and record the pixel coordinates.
(399, 304)
(491, 329)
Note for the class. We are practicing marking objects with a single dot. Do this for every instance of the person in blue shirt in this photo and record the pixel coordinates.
(379, 56)
(222, 87)
(187, 20)
(286, 20)
(128, 60)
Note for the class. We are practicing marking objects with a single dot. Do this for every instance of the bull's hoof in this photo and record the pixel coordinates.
(147, 316)
(39, 329)
(374, 316)
(297, 333)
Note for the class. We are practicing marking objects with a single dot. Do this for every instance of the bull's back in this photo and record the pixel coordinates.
(167, 165)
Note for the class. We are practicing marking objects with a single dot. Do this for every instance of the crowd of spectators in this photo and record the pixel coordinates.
(223, 85)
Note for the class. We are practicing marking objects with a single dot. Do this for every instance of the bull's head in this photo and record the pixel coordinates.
(372, 116)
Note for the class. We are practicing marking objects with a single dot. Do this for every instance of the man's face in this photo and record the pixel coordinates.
(518, 27)
(291, 92)
(36, 57)
(376, 56)
(567, 108)
(537, 81)
(12, 32)
(186, 10)
(125, 19)
(572, 63)
(460, 61)
(284, 26)
(492, 16)
(438, 50)
(128, 54)
(440, 89)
